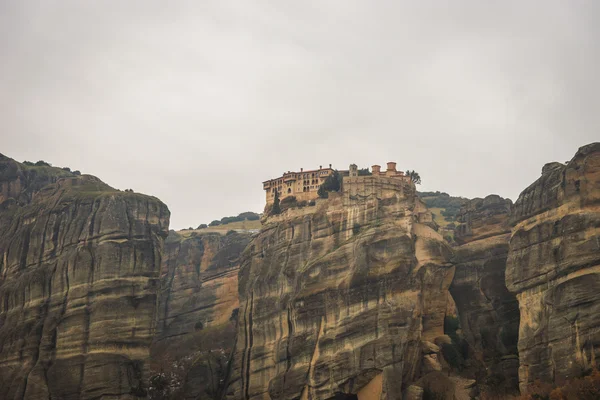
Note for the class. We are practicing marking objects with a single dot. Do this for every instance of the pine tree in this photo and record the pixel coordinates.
(276, 208)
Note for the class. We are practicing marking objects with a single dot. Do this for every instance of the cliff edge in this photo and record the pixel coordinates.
(79, 270)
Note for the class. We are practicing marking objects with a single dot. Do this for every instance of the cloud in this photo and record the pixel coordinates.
(199, 102)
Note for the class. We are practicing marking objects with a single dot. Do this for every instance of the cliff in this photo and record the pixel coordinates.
(489, 313)
(79, 269)
(553, 268)
(197, 310)
(341, 299)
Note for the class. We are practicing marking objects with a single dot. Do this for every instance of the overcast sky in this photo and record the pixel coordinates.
(198, 102)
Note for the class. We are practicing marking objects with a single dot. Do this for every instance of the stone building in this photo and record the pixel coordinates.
(304, 185)
(380, 184)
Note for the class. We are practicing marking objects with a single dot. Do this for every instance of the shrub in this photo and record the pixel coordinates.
(583, 388)
(228, 220)
(66, 169)
(276, 209)
(322, 192)
(216, 222)
(453, 356)
(76, 172)
(364, 172)
(333, 183)
(312, 203)
(230, 232)
(451, 325)
(202, 226)
(28, 163)
(289, 200)
(355, 228)
(249, 215)
(42, 163)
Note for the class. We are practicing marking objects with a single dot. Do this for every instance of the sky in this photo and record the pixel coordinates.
(198, 102)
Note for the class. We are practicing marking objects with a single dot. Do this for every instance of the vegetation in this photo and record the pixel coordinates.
(356, 228)
(364, 172)
(215, 222)
(456, 352)
(582, 388)
(333, 183)
(276, 207)
(202, 226)
(414, 176)
(443, 205)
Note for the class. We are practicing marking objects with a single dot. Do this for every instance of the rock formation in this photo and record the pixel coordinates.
(338, 299)
(554, 268)
(79, 269)
(197, 310)
(489, 313)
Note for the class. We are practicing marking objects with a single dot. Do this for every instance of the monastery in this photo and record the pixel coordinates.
(304, 185)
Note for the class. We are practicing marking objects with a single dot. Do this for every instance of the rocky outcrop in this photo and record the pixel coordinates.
(79, 269)
(489, 313)
(554, 268)
(197, 310)
(336, 300)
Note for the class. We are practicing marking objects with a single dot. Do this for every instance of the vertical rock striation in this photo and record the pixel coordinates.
(554, 268)
(197, 311)
(489, 313)
(337, 299)
(79, 269)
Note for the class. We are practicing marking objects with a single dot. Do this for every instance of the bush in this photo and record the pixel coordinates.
(42, 163)
(276, 209)
(76, 172)
(364, 172)
(66, 169)
(312, 203)
(228, 220)
(216, 222)
(288, 200)
(356, 229)
(249, 215)
(453, 356)
(28, 163)
(333, 183)
(451, 325)
(202, 226)
(230, 232)
(582, 388)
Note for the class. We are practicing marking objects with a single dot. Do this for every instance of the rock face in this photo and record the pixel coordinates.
(197, 311)
(336, 299)
(554, 268)
(79, 269)
(489, 313)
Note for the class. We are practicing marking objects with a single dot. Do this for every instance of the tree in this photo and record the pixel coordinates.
(202, 226)
(333, 183)
(364, 172)
(414, 176)
(276, 208)
(216, 222)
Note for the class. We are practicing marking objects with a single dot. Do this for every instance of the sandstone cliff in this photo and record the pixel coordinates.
(554, 268)
(197, 310)
(339, 300)
(489, 313)
(79, 269)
